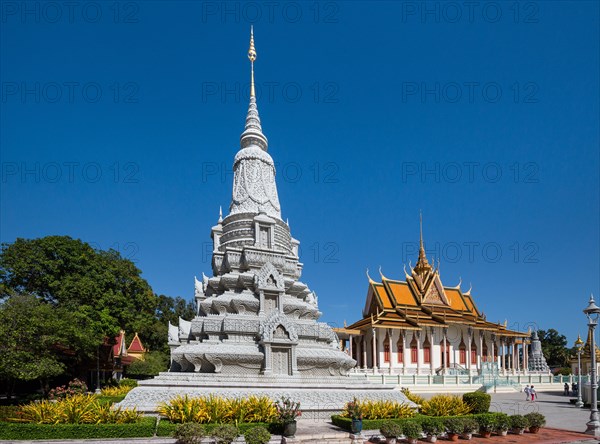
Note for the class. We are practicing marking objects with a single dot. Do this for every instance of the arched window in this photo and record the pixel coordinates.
(484, 353)
(386, 349)
(427, 351)
(462, 353)
(473, 353)
(414, 352)
(400, 349)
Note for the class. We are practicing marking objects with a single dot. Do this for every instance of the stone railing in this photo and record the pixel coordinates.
(467, 380)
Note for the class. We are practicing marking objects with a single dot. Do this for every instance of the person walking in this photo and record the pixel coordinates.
(566, 392)
(526, 390)
(533, 393)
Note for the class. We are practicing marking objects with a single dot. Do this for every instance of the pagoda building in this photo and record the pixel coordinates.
(419, 326)
(586, 357)
(122, 356)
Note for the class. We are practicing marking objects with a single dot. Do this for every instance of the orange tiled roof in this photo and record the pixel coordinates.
(400, 292)
(405, 305)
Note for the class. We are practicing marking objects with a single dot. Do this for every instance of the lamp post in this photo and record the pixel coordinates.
(98, 391)
(592, 311)
(579, 347)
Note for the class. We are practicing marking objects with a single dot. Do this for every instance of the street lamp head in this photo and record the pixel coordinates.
(592, 311)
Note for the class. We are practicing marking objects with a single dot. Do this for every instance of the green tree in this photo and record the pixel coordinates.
(154, 333)
(98, 291)
(99, 285)
(35, 337)
(554, 347)
(153, 363)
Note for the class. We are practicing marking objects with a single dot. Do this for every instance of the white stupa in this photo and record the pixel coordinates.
(256, 329)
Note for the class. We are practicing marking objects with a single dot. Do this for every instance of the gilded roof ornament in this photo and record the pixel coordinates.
(422, 266)
(381, 274)
(459, 282)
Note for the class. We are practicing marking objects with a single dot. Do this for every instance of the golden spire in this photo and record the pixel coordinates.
(422, 264)
(421, 230)
(252, 57)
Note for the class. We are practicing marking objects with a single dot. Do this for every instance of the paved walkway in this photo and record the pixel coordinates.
(559, 413)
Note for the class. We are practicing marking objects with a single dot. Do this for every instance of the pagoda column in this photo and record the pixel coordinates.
(480, 352)
(445, 352)
(375, 351)
(469, 347)
(417, 335)
(512, 357)
(404, 353)
(502, 366)
(350, 345)
(363, 349)
(431, 347)
(391, 353)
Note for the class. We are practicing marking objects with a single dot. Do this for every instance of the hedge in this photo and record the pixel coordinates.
(375, 424)
(142, 429)
(167, 428)
(368, 424)
(479, 402)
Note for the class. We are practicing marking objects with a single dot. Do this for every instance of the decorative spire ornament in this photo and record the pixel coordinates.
(253, 134)
(252, 57)
(422, 266)
(254, 186)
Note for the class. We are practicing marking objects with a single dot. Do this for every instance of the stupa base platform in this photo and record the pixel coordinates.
(319, 397)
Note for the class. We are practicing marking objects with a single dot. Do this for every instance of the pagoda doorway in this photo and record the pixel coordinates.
(281, 358)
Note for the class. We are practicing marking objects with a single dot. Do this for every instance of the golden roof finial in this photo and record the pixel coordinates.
(421, 229)
(422, 266)
(252, 57)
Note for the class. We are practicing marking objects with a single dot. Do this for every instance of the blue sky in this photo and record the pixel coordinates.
(120, 121)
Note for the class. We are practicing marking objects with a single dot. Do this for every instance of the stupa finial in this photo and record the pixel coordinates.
(253, 134)
(252, 57)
